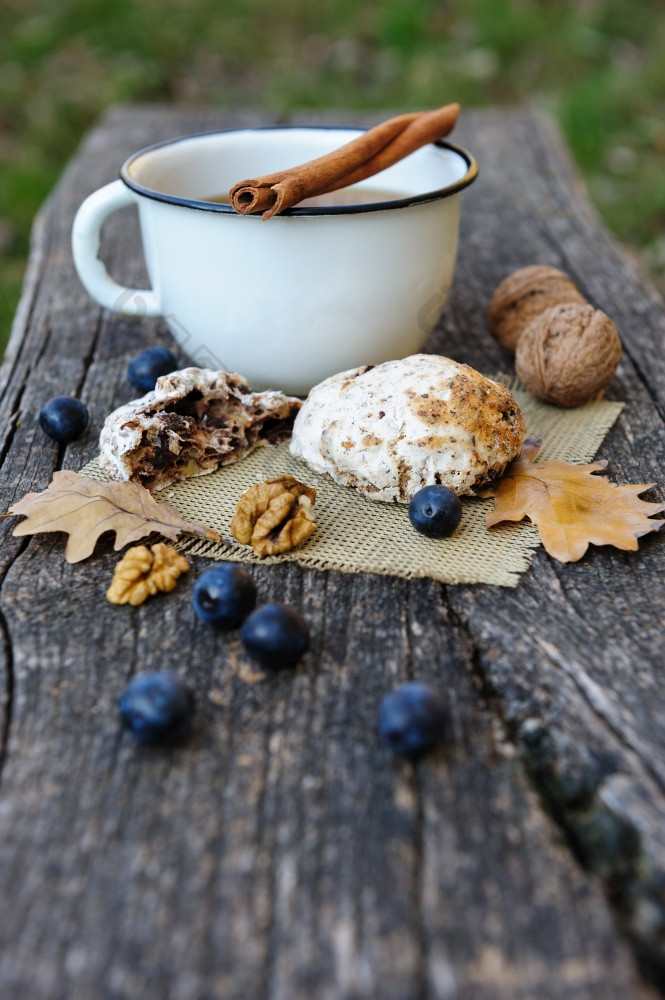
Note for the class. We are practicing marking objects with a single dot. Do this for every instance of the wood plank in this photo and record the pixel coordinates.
(281, 853)
(586, 705)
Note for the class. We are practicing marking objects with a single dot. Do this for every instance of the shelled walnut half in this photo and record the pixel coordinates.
(142, 573)
(274, 516)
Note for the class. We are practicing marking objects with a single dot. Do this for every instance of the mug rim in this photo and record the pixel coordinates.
(295, 212)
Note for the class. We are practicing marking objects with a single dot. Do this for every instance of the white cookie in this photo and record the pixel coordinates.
(391, 429)
(193, 422)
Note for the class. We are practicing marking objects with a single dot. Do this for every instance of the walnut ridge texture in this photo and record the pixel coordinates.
(389, 430)
(193, 422)
(568, 354)
(143, 572)
(274, 516)
(523, 296)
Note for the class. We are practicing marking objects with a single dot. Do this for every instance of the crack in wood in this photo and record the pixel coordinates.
(570, 788)
(8, 700)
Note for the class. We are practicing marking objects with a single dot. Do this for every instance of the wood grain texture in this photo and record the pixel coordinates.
(281, 853)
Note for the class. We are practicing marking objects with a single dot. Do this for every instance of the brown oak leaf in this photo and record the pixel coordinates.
(571, 507)
(85, 509)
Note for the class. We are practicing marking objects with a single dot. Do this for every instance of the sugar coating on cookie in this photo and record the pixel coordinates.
(391, 429)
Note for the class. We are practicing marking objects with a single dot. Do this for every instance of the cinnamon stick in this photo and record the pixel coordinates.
(363, 157)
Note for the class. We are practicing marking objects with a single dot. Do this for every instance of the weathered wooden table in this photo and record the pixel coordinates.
(281, 853)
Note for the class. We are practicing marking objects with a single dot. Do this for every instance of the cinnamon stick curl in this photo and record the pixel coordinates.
(363, 157)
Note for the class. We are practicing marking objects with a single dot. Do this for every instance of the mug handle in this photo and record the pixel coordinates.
(85, 248)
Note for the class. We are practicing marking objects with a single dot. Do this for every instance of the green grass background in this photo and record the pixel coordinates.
(597, 65)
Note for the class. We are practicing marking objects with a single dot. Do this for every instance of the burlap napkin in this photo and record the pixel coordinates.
(356, 535)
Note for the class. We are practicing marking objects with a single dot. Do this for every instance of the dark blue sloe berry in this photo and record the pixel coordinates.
(224, 596)
(413, 719)
(276, 635)
(158, 708)
(144, 370)
(435, 511)
(63, 418)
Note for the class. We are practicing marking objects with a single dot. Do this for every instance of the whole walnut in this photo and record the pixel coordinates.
(568, 354)
(523, 295)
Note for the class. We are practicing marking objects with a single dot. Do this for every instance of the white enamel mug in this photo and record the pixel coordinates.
(288, 301)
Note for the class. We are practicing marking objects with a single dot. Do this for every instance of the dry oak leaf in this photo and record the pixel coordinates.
(85, 509)
(571, 507)
(274, 516)
(142, 573)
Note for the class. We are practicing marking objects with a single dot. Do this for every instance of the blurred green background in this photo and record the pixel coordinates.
(597, 65)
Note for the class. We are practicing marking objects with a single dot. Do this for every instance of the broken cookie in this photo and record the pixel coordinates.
(389, 430)
(193, 422)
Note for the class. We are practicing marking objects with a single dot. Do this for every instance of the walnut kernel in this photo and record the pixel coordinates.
(568, 354)
(274, 516)
(142, 573)
(523, 296)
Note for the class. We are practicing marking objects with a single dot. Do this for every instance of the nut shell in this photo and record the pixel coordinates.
(523, 296)
(568, 354)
